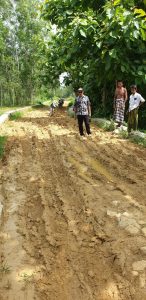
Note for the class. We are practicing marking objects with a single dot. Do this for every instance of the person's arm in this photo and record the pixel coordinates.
(142, 100)
(115, 96)
(127, 112)
(89, 108)
(126, 95)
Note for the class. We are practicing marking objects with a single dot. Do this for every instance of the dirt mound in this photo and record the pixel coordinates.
(73, 216)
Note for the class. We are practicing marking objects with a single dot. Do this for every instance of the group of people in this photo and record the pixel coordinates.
(82, 107)
(55, 104)
(120, 99)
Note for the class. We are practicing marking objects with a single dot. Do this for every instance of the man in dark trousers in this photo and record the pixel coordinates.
(82, 109)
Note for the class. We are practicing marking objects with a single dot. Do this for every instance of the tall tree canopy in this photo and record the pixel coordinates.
(22, 40)
(97, 42)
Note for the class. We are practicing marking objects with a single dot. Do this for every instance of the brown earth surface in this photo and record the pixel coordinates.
(73, 214)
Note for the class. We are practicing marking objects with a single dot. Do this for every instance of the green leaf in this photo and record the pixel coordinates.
(123, 69)
(140, 73)
(82, 33)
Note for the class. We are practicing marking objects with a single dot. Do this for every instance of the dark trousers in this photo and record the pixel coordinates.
(84, 119)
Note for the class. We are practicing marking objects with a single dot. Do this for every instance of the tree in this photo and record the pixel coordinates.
(97, 42)
(22, 39)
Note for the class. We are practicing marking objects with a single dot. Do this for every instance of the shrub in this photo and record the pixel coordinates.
(109, 126)
(138, 140)
(2, 145)
(16, 115)
(123, 134)
(71, 103)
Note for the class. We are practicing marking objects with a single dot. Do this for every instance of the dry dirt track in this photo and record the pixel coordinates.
(73, 223)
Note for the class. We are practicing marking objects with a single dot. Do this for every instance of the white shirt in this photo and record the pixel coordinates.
(135, 100)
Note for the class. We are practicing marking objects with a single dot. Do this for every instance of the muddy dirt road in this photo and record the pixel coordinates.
(73, 213)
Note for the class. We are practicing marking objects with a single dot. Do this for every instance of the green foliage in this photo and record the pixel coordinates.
(6, 109)
(110, 126)
(96, 43)
(71, 101)
(16, 115)
(98, 112)
(3, 140)
(138, 140)
(71, 113)
(106, 125)
(123, 134)
(22, 40)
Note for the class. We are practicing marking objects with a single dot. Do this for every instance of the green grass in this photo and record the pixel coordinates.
(4, 109)
(109, 126)
(70, 103)
(123, 134)
(16, 115)
(106, 125)
(4, 269)
(138, 140)
(2, 145)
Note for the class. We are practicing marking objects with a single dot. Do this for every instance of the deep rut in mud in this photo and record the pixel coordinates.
(73, 216)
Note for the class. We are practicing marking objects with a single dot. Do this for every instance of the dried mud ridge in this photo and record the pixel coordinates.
(73, 215)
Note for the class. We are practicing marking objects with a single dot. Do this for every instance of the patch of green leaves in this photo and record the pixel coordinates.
(123, 134)
(2, 146)
(16, 115)
(138, 140)
(109, 126)
(71, 103)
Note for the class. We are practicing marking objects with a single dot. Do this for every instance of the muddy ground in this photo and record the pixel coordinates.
(73, 213)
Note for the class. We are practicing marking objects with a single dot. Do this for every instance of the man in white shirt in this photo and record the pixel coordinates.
(134, 102)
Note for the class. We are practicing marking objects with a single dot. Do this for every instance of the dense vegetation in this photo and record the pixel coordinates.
(95, 43)
(21, 45)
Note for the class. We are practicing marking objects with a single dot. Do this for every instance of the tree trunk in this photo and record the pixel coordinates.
(104, 97)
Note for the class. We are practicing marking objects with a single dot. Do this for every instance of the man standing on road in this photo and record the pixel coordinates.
(82, 109)
(119, 102)
(134, 103)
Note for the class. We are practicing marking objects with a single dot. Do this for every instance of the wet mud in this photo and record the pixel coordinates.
(72, 212)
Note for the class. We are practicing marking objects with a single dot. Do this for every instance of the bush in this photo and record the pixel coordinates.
(123, 134)
(109, 126)
(16, 115)
(2, 145)
(104, 124)
(71, 103)
(138, 140)
(71, 112)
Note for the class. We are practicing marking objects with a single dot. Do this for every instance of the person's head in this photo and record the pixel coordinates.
(80, 92)
(133, 88)
(119, 83)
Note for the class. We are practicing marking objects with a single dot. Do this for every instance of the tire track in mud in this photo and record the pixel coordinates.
(79, 231)
(60, 236)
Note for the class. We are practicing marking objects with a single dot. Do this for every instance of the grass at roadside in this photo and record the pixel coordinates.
(106, 125)
(135, 137)
(16, 115)
(3, 140)
(6, 109)
(138, 140)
